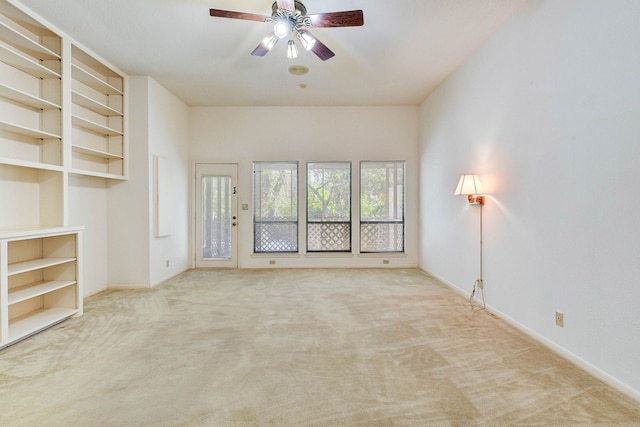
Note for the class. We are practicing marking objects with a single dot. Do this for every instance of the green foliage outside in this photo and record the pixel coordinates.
(381, 191)
(276, 194)
(329, 192)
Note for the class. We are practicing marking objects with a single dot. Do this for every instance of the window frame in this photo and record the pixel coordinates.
(401, 221)
(259, 222)
(348, 222)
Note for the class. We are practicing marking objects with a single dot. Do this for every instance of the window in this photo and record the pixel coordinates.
(275, 206)
(381, 206)
(216, 217)
(329, 207)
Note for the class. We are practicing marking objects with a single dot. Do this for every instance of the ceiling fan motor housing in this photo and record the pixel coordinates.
(299, 8)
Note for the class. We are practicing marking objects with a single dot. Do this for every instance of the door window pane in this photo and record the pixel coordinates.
(329, 207)
(275, 206)
(216, 217)
(382, 206)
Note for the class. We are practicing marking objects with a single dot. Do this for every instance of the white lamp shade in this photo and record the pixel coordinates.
(469, 184)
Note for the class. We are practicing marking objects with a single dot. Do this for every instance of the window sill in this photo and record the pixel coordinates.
(275, 255)
(383, 255)
(328, 255)
(378, 255)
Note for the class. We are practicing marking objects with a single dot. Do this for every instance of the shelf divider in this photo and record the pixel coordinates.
(97, 153)
(37, 321)
(20, 41)
(20, 61)
(22, 130)
(93, 82)
(94, 127)
(93, 105)
(27, 98)
(31, 290)
(36, 264)
(30, 164)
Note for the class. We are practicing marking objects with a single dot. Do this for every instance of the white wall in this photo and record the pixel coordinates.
(247, 134)
(547, 113)
(158, 126)
(169, 138)
(88, 200)
(129, 210)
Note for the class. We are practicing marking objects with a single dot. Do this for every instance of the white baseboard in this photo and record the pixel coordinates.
(94, 292)
(148, 286)
(170, 276)
(128, 286)
(561, 351)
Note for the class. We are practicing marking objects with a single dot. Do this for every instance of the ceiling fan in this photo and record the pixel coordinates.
(290, 20)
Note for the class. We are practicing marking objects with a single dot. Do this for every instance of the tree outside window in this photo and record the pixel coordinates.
(329, 207)
(382, 206)
(275, 206)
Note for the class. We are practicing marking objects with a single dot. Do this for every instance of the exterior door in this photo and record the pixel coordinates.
(216, 215)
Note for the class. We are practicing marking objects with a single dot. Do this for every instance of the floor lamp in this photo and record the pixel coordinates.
(470, 186)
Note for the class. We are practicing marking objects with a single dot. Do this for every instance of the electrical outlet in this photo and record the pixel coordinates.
(560, 319)
(167, 263)
(272, 262)
(385, 261)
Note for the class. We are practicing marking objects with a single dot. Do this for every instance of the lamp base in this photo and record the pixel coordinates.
(475, 200)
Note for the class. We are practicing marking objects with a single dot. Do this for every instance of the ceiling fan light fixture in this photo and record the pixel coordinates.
(307, 40)
(289, 20)
(292, 50)
(269, 41)
(281, 29)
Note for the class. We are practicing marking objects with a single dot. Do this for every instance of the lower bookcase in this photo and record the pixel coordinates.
(40, 280)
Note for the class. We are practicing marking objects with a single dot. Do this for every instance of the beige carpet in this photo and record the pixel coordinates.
(295, 348)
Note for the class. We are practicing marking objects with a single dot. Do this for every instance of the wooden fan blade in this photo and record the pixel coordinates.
(287, 4)
(322, 51)
(319, 48)
(219, 13)
(262, 49)
(349, 18)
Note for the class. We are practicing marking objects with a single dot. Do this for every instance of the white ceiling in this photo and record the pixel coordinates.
(403, 51)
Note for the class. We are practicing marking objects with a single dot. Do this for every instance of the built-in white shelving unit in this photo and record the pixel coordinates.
(62, 112)
(31, 123)
(30, 90)
(98, 117)
(40, 280)
(56, 98)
